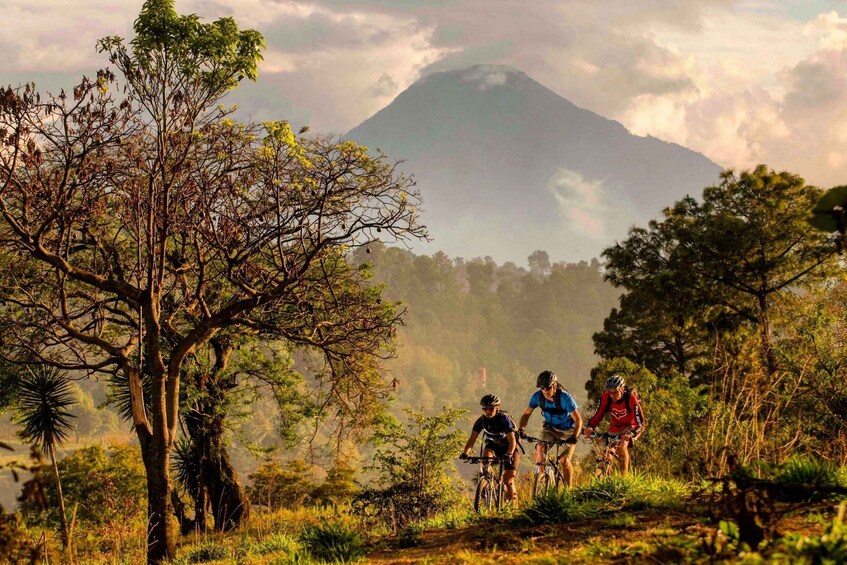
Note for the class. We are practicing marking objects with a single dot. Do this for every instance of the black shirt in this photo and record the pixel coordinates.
(495, 427)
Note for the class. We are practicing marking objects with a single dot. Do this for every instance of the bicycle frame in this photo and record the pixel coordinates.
(548, 473)
(489, 486)
(605, 448)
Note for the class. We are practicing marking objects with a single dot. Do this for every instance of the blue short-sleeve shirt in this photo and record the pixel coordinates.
(556, 412)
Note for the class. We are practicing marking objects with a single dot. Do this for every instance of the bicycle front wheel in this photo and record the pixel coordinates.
(541, 483)
(484, 497)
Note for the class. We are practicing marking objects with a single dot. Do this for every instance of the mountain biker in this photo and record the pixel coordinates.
(627, 419)
(561, 419)
(499, 434)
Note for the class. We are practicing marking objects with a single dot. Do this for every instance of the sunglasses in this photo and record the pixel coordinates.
(551, 387)
(487, 408)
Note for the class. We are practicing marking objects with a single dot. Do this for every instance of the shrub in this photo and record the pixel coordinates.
(806, 478)
(206, 552)
(415, 467)
(277, 487)
(556, 507)
(332, 541)
(108, 487)
(831, 547)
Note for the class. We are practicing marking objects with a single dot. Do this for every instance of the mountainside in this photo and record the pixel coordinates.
(506, 166)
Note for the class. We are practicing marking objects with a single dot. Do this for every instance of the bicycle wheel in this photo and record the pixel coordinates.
(484, 497)
(497, 489)
(541, 482)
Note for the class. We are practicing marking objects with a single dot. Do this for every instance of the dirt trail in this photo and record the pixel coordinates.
(592, 541)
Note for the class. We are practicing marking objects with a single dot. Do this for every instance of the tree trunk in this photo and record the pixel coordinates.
(160, 540)
(230, 506)
(205, 425)
(63, 518)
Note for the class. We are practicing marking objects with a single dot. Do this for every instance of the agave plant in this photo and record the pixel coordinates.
(44, 395)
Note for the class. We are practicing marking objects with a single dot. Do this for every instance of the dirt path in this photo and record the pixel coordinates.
(648, 537)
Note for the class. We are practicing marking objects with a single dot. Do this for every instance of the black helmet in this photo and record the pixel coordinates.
(545, 379)
(489, 400)
(614, 382)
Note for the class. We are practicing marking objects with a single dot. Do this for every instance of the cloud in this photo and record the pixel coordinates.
(582, 203)
(743, 81)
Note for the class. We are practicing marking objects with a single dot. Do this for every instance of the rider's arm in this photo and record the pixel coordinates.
(577, 423)
(640, 420)
(601, 411)
(513, 445)
(471, 441)
(524, 419)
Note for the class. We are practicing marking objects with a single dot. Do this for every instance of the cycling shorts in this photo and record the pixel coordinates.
(500, 449)
(550, 434)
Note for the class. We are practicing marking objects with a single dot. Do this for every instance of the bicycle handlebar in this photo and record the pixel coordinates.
(606, 436)
(568, 441)
(475, 459)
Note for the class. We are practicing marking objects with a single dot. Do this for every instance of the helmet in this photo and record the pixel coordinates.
(545, 379)
(614, 382)
(489, 400)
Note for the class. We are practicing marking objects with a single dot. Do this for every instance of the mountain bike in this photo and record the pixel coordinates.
(605, 448)
(490, 488)
(548, 474)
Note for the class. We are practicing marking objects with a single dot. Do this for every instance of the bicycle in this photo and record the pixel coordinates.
(605, 448)
(548, 473)
(489, 486)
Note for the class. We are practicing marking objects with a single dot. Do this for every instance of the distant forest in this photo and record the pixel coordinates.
(467, 315)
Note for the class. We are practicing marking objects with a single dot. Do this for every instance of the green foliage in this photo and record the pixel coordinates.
(414, 463)
(464, 315)
(44, 396)
(410, 536)
(830, 547)
(557, 507)
(217, 55)
(805, 477)
(277, 487)
(332, 541)
(634, 491)
(207, 551)
(339, 486)
(108, 487)
(274, 543)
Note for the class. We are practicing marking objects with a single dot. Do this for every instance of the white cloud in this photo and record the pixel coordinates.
(582, 203)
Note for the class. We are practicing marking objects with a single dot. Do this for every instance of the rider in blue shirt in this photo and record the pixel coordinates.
(561, 419)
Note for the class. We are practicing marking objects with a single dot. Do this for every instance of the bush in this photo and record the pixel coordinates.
(206, 552)
(107, 487)
(806, 478)
(277, 487)
(556, 507)
(332, 541)
(415, 465)
(831, 547)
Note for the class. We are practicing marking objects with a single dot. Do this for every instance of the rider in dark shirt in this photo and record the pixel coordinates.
(498, 431)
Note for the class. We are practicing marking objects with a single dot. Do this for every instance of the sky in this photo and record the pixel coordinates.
(743, 82)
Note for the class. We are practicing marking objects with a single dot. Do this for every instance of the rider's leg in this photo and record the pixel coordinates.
(565, 465)
(509, 476)
(539, 454)
(623, 456)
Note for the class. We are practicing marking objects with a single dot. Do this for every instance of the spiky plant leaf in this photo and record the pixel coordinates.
(44, 396)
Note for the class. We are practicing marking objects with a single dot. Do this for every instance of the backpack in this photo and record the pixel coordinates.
(560, 408)
(515, 426)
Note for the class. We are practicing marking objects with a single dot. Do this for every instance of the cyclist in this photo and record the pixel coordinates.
(500, 441)
(561, 419)
(627, 417)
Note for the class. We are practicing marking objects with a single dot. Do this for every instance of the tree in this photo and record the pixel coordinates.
(139, 227)
(44, 396)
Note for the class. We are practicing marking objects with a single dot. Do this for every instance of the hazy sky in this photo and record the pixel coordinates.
(744, 82)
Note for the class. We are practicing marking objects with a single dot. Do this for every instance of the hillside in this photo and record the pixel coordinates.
(507, 166)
